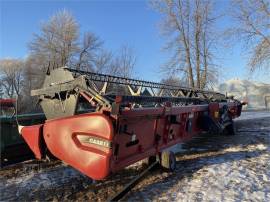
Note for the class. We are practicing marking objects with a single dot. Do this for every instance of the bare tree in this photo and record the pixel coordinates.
(187, 25)
(57, 42)
(120, 63)
(34, 74)
(173, 80)
(88, 52)
(11, 77)
(103, 61)
(253, 27)
(123, 63)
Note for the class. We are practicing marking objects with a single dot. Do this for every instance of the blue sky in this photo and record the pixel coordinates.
(117, 23)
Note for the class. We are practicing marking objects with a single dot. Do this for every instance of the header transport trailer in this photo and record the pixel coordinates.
(128, 120)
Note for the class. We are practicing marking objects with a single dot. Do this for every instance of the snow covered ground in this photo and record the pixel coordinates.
(39, 185)
(235, 174)
(253, 115)
(209, 168)
(220, 168)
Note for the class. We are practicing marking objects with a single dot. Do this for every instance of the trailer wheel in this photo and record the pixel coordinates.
(168, 160)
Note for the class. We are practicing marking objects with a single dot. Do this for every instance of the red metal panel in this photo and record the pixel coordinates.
(32, 136)
(150, 122)
(138, 133)
(161, 110)
(134, 129)
(69, 140)
(155, 129)
(7, 101)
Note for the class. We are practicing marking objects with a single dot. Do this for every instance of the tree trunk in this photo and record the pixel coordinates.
(197, 42)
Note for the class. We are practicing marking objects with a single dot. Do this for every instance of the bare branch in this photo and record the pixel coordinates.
(253, 25)
(187, 26)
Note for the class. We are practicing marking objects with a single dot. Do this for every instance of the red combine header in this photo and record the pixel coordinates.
(127, 120)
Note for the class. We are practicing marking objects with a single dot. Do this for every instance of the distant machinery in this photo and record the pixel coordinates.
(267, 101)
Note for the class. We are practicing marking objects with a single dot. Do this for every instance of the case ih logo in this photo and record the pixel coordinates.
(94, 140)
(99, 142)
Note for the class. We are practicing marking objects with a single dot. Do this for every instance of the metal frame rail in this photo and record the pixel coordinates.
(172, 91)
(62, 88)
(133, 182)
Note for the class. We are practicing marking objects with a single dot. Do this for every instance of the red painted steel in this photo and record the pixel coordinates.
(11, 100)
(152, 124)
(99, 143)
(7, 102)
(32, 136)
(68, 140)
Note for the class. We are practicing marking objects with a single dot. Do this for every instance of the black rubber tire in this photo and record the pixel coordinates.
(150, 160)
(168, 160)
(230, 129)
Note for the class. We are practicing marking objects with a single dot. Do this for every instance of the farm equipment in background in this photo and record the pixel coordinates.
(13, 146)
(128, 120)
(267, 101)
(7, 107)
